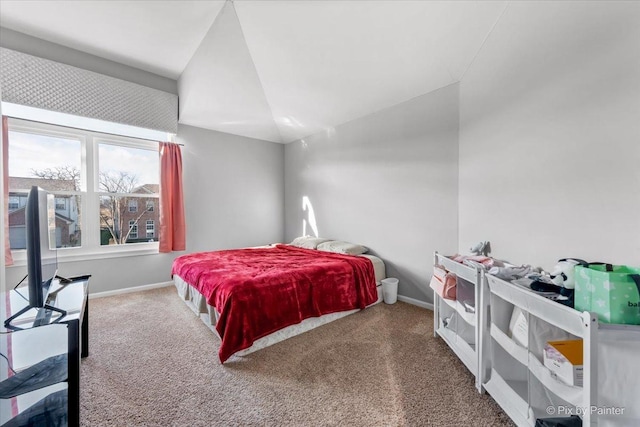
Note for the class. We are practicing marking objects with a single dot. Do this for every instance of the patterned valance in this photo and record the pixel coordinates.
(41, 83)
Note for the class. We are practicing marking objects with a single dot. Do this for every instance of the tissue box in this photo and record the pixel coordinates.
(564, 358)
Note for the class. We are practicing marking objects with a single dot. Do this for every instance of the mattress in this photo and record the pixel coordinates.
(378, 267)
(209, 315)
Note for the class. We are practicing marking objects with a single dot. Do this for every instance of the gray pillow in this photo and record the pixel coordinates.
(342, 247)
(308, 242)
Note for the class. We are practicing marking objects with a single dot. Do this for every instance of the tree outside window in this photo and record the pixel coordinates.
(109, 177)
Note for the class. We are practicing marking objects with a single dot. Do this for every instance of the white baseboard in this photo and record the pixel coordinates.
(417, 302)
(402, 298)
(128, 290)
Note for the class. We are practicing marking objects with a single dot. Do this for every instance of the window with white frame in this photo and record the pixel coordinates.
(51, 159)
(151, 228)
(14, 203)
(98, 181)
(61, 203)
(133, 229)
(150, 205)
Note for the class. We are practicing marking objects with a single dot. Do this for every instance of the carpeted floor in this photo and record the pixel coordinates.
(152, 362)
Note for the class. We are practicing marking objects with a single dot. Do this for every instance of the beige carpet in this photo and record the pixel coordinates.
(154, 363)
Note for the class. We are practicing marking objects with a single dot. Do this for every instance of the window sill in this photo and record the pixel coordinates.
(20, 258)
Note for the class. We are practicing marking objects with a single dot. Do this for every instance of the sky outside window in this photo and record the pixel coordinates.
(141, 163)
(29, 152)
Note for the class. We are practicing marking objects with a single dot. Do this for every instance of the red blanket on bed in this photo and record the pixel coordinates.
(260, 291)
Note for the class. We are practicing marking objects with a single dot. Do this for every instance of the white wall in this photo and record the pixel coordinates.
(233, 190)
(108, 274)
(387, 181)
(550, 135)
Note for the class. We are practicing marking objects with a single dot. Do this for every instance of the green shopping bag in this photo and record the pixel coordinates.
(610, 291)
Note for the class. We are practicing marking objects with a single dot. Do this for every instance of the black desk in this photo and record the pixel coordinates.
(45, 351)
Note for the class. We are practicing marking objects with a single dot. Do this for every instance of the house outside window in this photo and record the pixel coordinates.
(98, 182)
(59, 175)
(125, 186)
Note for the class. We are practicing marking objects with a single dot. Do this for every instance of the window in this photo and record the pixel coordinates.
(151, 228)
(133, 229)
(14, 203)
(61, 204)
(128, 177)
(98, 181)
(58, 172)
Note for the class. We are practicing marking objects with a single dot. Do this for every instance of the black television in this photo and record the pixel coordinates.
(42, 260)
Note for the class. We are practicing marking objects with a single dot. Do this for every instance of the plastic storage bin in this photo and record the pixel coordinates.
(390, 290)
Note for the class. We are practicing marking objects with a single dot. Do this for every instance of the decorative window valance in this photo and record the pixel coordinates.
(41, 83)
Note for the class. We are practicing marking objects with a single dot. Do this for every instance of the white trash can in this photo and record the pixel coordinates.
(390, 290)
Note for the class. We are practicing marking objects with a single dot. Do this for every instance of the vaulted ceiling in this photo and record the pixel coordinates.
(274, 70)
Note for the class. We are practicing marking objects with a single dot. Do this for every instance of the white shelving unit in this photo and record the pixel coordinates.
(517, 378)
(454, 324)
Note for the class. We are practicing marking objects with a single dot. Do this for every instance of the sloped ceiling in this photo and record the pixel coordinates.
(155, 36)
(220, 88)
(325, 63)
(274, 70)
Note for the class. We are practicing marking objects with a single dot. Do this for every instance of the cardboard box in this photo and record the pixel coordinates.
(564, 359)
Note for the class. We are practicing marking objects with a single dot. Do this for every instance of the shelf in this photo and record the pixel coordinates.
(510, 346)
(45, 373)
(554, 313)
(46, 358)
(571, 394)
(451, 303)
(466, 352)
(470, 318)
(511, 396)
(460, 270)
(463, 328)
(50, 408)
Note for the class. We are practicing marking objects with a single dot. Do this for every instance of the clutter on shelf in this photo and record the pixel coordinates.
(482, 248)
(515, 328)
(443, 282)
(564, 359)
(611, 291)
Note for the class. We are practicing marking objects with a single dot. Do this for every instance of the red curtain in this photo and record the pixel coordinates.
(5, 182)
(172, 222)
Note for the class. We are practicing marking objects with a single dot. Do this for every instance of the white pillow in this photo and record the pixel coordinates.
(341, 247)
(307, 242)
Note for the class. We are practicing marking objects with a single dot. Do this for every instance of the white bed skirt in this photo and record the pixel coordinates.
(208, 314)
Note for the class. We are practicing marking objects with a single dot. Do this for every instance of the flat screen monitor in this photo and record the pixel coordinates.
(42, 261)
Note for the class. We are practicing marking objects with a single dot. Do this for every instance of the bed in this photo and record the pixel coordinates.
(255, 297)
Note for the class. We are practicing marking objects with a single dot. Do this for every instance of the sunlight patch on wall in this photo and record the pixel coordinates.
(310, 218)
(330, 132)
